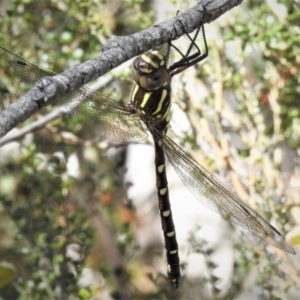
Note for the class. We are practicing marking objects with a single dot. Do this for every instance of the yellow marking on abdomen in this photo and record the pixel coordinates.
(166, 213)
(172, 233)
(173, 252)
(163, 191)
(160, 168)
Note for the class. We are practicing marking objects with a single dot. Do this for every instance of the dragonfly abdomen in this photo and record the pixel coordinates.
(166, 216)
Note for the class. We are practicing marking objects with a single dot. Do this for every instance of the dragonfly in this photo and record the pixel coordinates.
(149, 110)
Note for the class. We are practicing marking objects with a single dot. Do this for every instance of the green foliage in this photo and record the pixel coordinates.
(47, 226)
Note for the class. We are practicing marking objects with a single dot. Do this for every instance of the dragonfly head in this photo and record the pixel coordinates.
(149, 70)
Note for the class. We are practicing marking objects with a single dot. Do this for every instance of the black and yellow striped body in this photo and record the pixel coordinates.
(151, 94)
(151, 99)
(166, 216)
(154, 106)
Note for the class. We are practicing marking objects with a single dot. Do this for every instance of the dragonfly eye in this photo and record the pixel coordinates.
(152, 81)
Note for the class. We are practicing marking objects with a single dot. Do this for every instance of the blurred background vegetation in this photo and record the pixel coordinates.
(67, 226)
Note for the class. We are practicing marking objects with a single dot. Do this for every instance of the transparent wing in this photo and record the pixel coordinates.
(105, 117)
(215, 196)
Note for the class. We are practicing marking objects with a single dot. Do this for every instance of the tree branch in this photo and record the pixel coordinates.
(118, 50)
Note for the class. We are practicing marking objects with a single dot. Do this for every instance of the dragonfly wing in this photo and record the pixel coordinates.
(21, 68)
(215, 196)
(105, 117)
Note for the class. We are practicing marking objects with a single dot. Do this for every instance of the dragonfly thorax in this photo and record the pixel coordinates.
(151, 94)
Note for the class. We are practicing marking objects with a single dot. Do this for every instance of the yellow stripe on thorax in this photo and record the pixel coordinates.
(167, 115)
(135, 89)
(145, 99)
(161, 101)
